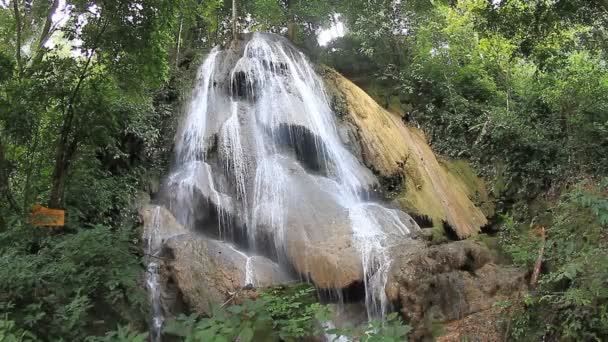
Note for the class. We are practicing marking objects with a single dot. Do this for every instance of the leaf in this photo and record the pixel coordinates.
(246, 335)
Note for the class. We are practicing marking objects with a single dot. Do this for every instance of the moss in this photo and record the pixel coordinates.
(475, 187)
(493, 244)
(405, 162)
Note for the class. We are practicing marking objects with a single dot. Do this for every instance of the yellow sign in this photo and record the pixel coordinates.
(42, 216)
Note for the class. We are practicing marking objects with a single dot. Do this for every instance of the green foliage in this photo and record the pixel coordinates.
(283, 313)
(390, 330)
(57, 285)
(121, 334)
(293, 310)
(85, 126)
(10, 333)
(516, 87)
(572, 299)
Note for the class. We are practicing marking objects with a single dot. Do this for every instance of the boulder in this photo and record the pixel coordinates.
(159, 224)
(210, 272)
(448, 282)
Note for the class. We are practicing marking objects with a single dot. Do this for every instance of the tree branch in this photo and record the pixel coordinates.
(539, 260)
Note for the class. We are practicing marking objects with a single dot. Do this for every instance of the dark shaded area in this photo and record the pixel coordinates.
(492, 228)
(422, 220)
(240, 85)
(355, 292)
(449, 231)
(309, 150)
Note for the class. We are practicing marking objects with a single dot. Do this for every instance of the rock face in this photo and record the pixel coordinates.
(448, 282)
(159, 224)
(199, 270)
(317, 234)
(396, 151)
(210, 272)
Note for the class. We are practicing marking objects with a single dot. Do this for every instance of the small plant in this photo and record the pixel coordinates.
(9, 332)
(121, 334)
(283, 313)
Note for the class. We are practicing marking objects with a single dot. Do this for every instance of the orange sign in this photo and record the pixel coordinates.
(42, 216)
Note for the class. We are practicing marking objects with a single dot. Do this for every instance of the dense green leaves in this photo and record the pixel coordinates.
(56, 286)
(572, 299)
(283, 313)
(516, 87)
(80, 122)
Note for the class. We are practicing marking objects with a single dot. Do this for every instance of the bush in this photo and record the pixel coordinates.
(68, 286)
(571, 302)
(283, 313)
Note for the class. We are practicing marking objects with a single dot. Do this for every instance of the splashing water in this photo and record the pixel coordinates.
(259, 120)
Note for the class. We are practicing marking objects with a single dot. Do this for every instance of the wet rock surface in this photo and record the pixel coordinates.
(402, 159)
(318, 236)
(209, 272)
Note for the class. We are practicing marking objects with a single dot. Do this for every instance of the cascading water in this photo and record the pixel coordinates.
(152, 276)
(259, 150)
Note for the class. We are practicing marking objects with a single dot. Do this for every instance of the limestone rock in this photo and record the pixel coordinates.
(317, 239)
(396, 152)
(159, 224)
(195, 195)
(449, 282)
(210, 272)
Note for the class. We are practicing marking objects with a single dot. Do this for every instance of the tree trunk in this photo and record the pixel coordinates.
(292, 30)
(179, 41)
(4, 181)
(58, 184)
(66, 148)
(539, 260)
(62, 160)
(291, 23)
(234, 21)
(46, 33)
(18, 38)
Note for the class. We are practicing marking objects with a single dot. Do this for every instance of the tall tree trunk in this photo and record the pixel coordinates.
(18, 26)
(5, 191)
(179, 41)
(46, 33)
(291, 22)
(62, 160)
(234, 21)
(65, 154)
(66, 148)
(292, 30)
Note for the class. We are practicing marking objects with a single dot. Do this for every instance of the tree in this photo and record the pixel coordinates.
(119, 42)
(234, 21)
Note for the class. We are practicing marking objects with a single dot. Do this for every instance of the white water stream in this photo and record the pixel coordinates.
(152, 277)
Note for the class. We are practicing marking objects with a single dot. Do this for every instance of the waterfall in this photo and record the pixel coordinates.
(259, 154)
(152, 276)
